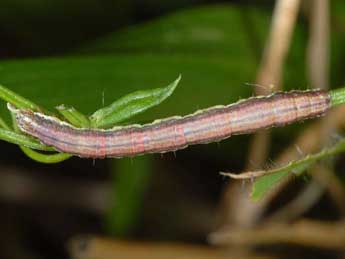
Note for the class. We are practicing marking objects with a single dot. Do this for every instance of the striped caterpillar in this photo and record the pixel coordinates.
(174, 133)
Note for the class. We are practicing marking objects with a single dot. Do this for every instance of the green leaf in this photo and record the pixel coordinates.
(17, 100)
(130, 105)
(215, 65)
(75, 117)
(81, 81)
(195, 31)
(4, 125)
(45, 158)
(271, 177)
(20, 139)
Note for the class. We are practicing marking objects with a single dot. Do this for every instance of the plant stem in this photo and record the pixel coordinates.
(337, 96)
(44, 158)
(20, 139)
(17, 100)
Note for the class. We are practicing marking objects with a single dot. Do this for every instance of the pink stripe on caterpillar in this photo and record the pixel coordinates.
(204, 126)
(138, 142)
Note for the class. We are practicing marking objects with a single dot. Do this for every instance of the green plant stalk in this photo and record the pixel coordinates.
(45, 158)
(75, 117)
(22, 140)
(4, 125)
(17, 100)
(337, 96)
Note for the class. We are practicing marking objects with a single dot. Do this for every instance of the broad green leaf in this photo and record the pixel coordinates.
(131, 105)
(206, 30)
(81, 81)
(263, 184)
(4, 125)
(235, 33)
(215, 62)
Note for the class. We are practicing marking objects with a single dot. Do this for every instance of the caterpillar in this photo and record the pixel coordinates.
(174, 133)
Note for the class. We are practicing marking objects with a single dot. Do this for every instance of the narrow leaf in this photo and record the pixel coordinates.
(17, 100)
(131, 105)
(45, 158)
(4, 125)
(75, 117)
(263, 184)
(19, 139)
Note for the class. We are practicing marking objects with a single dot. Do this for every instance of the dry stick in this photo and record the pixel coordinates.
(318, 59)
(318, 74)
(318, 52)
(93, 247)
(318, 44)
(271, 67)
(235, 203)
(306, 233)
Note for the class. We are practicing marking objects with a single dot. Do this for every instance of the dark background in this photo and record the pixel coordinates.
(42, 207)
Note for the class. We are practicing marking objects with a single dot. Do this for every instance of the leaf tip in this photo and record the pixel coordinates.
(12, 108)
(254, 195)
(176, 82)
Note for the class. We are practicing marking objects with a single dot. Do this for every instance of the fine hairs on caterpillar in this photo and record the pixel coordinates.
(174, 133)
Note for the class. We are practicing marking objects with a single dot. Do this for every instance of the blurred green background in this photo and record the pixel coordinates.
(77, 52)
